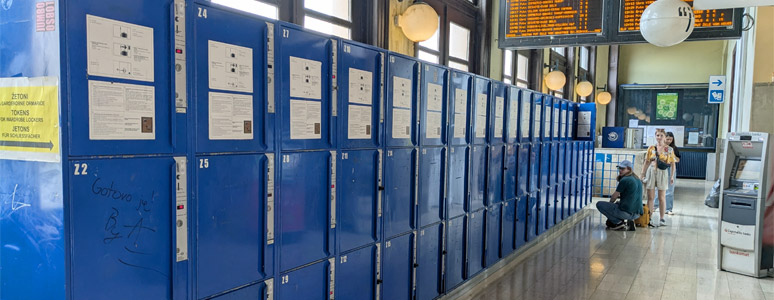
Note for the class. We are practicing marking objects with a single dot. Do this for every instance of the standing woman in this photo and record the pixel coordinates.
(658, 160)
(670, 194)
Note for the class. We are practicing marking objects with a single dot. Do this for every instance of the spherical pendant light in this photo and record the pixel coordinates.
(604, 98)
(555, 80)
(419, 22)
(584, 88)
(667, 22)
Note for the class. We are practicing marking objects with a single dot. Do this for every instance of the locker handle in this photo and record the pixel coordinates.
(381, 188)
(416, 265)
(379, 281)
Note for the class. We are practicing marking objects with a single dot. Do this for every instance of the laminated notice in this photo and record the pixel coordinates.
(401, 92)
(305, 120)
(499, 107)
(584, 117)
(480, 126)
(29, 118)
(433, 126)
(525, 119)
(359, 123)
(360, 86)
(460, 101)
(513, 117)
(120, 111)
(460, 124)
(498, 127)
(584, 130)
(547, 119)
(401, 123)
(230, 67)
(481, 105)
(230, 116)
(305, 78)
(119, 49)
(537, 115)
(434, 97)
(556, 122)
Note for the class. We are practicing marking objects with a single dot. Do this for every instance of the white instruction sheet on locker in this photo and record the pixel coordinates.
(120, 111)
(230, 67)
(401, 123)
(513, 117)
(537, 114)
(460, 101)
(230, 116)
(460, 124)
(401, 92)
(360, 86)
(434, 97)
(359, 122)
(481, 115)
(525, 118)
(305, 119)
(119, 49)
(433, 127)
(305, 78)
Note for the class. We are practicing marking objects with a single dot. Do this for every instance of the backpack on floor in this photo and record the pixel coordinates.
(644, 219)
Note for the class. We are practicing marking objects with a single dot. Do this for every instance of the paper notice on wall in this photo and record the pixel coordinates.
(305, 78)
(119, 49)
(461, 101)
(434, 97)
(305, 120)
(460, 125)
(230, 116)
(230, 67)
(120, 111)
(480, 126)
(481, 105)
(401, 92)
(498, 127)
(29, 119)
(433, 126)
(359, 122)
(360, 86)
(401, 123)
(513, 120)
(499, 107)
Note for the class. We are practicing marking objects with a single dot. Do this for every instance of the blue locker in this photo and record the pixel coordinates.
(497, 120)
(536, 117)
(533, 215)
(556, 131)
(357, 202)
(523, 174)
(512, 110)
(255, 291)
(399, 198)
(509, 222)
(361, 95)
(455, 252)
(232, 241)
(547, 109)
(553, 168)
(429, 261)
(432, 171)
(122, 225)
(511, 172)
(521, 222)
(563, 115)
(480, 109)
(560, 178)
(493, 237)
(457, 181)
(475, 240)
(305, 72)
(551, 206)
(478, 173)
(495, 166)
(568, 179)
(401, 105)
(525, 116)
(434, 104)
(575, 178)
(460, 93)
(231, 116)
(305, 224)
(542, 210)
(356, 274)
(545, 164)
(310, 282)
(397, 267)
(534, 167)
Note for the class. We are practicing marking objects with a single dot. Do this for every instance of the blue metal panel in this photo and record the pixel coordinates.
(460, 95)
(511, 172)
(304, 227)
(495, 174)
(563, 115)
(429, 261)
(480, 109)
(231, 226)
(357, 63)
(435, 89)
(536, 117)
(401, 117)
(455, 252)
(521, 222)
(497, 118)
(509, 221)
(399, 203)
(533, 215)
(309, 282)
(553, 168)
(542, 210)
(494, 221)
(355, 274)
(255, 133)
(551, 206)
(458, 181)
(512, 109)
(255, 291)
(534, 168)
(357, 220)
(305, 105)
(121, 222)
(523, 161)
(432, 170)
(556, 121)
(397, 266)
(475, 248)
(587, 119)
(560, 182)
(568, 182)
(545, 164)
(478, 172)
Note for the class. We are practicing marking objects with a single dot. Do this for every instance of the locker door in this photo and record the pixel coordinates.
(560, 176)
(550, 207)
(497, 121)
(522, 221)
(122, 228)
(534, 167)
(460, 92)
(310, 282)
(495, 175)
(523, 161)
(512, 119)
(478, 173)
(545, 161)
(568, 178)
(304, 70)
(542, 210)
(475, 249)
(458, 181)
(533, 215)
(480, 110)
(357, 217)
(230, 93)
(434, 97)
(509, 218)
(511, 172)
(400, 113)
(355, 273)
(431, 180)
(398, 191)
(493, 234)
(230, 222)
(360, 96)
(255, 291)
(554, 160)
(397, 267)
(455, 252)
(304, 208)
(429, 260)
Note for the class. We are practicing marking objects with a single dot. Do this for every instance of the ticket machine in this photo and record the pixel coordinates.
(746, 211)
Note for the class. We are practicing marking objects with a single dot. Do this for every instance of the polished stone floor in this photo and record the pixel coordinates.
(677, 261)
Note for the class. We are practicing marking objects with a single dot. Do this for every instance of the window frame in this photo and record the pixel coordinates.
(463, 13)
(514, 77)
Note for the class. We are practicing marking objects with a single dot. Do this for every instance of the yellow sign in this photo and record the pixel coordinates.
(29, 118)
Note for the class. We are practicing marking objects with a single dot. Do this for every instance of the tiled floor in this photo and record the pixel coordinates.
(588, 262)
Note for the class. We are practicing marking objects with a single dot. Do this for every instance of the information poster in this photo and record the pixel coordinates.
(119, 49)
(666, 106)
(230, 67)
(29, 119)
(230, 116)
(305, 78)
(119, 111)
(305, 120)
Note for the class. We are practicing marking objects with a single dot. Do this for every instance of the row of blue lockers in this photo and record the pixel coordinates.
(210, 153)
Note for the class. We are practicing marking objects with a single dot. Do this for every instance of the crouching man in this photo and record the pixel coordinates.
(629, 191)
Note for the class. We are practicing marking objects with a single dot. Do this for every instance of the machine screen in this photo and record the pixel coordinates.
(748, 170)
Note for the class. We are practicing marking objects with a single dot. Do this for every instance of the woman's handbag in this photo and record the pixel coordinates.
(660, 164)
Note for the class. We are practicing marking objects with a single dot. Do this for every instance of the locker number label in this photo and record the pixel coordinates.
(347, 49)
(285, 279)
(344, 259)
(80, 169)
(285, 33)
(204, 163)
(202, 12)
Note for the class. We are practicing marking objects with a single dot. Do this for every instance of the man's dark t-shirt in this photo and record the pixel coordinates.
(630, 189)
